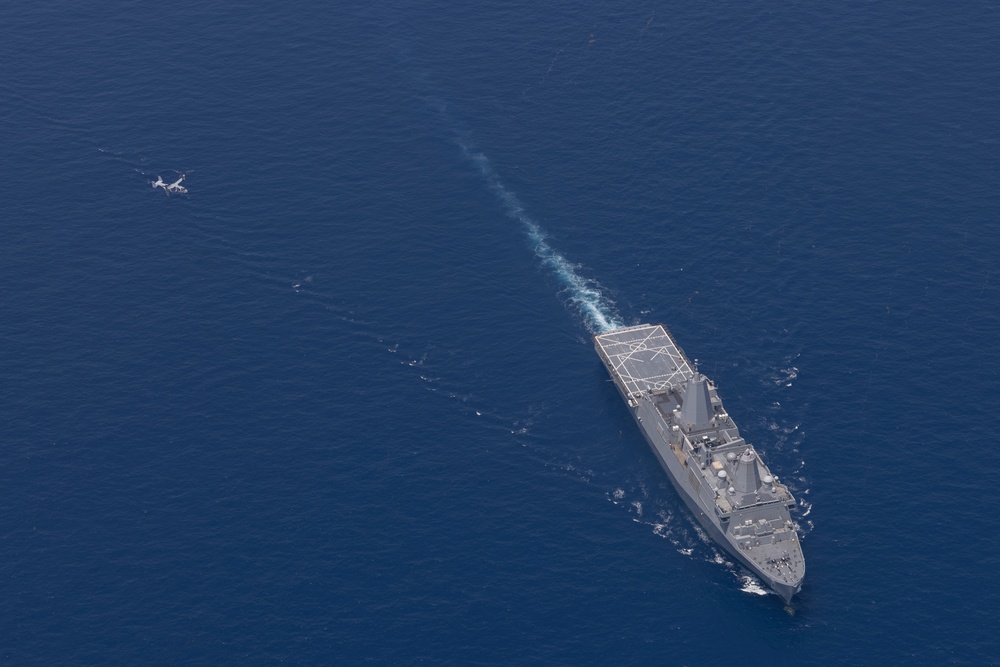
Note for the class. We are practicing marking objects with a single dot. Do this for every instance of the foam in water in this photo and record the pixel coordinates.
(583, 293)
(751, 585)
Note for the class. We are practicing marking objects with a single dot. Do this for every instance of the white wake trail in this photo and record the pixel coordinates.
(583, 293)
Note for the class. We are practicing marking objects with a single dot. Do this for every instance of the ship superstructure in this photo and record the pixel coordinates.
(720, 476)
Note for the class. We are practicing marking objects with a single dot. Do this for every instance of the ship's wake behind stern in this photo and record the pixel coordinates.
(584, 294)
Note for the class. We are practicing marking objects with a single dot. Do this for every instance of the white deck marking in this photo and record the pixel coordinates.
(641, 366)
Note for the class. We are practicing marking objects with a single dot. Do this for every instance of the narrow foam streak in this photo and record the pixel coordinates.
(584, 294)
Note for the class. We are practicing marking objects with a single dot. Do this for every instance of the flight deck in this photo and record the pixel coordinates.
(644, 358)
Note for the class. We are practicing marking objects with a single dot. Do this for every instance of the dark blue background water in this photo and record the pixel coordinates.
(338, 405)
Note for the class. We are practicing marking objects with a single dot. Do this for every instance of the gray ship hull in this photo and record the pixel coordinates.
(718, 475)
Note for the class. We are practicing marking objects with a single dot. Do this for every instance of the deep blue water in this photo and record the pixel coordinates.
(338, 404)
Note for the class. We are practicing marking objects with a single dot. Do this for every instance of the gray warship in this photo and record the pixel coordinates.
(719, 475)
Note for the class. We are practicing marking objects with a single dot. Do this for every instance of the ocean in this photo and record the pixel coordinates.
(339, 403)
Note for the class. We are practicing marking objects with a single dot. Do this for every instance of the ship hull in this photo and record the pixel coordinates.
(713, 529)
(720, 477)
